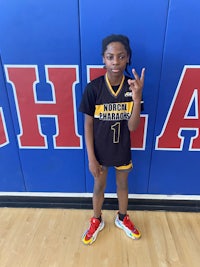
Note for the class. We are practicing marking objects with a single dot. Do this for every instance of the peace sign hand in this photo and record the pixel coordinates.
(136, 85)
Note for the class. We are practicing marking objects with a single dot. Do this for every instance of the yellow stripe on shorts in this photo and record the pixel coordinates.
(124, 167)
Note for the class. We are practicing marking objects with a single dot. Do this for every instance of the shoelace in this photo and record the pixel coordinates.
(128, 223)
(93, 227)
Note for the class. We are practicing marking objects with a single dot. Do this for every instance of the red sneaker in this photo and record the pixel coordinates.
(128, 227)
(91, 234)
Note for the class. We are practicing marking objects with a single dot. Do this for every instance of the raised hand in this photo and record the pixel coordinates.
(136, 85)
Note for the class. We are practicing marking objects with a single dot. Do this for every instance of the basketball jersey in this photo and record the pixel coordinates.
(111, 111)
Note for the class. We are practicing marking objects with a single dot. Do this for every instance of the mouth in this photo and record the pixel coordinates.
(116, 70)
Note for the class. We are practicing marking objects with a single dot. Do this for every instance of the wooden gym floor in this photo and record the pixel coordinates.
(36, 237)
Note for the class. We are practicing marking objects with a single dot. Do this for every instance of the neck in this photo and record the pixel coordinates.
(110, 85)
(114, 80)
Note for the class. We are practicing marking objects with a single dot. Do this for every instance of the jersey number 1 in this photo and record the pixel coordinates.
(116, 132)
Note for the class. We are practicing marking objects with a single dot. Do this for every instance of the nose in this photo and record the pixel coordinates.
(115, 60)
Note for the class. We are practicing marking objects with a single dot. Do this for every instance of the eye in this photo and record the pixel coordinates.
(121, 57)
(109, 57)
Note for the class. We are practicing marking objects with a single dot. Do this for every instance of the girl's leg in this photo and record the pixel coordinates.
(98, 197)
(122, 220)
(122, 190)
(98, 192)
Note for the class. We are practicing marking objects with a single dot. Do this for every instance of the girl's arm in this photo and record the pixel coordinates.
(94, 166)
(136, 86)
(134, 120)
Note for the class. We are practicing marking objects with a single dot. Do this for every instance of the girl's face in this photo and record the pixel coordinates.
(115, 58)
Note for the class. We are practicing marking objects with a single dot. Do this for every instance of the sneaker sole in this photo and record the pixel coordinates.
(127, 232)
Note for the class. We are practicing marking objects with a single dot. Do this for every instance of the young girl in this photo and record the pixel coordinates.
(112, 106)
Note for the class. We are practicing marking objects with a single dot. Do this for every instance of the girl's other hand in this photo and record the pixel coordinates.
(136, 85)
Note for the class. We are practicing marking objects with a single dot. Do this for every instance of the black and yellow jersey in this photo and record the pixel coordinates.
(111, 108)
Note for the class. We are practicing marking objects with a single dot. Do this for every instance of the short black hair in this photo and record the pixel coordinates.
(117, 38)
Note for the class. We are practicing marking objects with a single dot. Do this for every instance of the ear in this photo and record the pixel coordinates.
(128, 60)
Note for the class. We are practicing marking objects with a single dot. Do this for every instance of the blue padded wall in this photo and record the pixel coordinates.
(11, 175)
(50, 50)
(174, 165)
(147, 34)
(44, 39)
